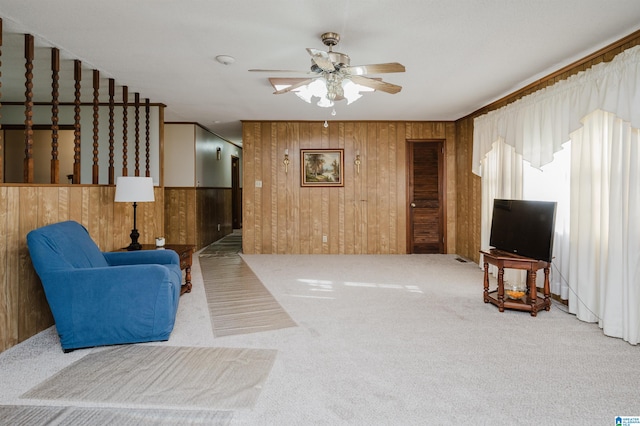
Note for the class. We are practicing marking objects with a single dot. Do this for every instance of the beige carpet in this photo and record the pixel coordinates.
(29, 415)
(238, 301)
(210, 378)
(391, 340)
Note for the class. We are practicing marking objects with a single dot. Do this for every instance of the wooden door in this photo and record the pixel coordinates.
(236, 195)
(426, 192)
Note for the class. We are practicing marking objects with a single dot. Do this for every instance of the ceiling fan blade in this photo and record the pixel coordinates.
(279, 82)
(322, 59)
(295, 85)
(376, 84)
(375, 68)
(294, 71)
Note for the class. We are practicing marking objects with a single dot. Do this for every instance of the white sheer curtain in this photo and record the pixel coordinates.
(551, 182)
(603, 277)
(605, 225)
(501, 178)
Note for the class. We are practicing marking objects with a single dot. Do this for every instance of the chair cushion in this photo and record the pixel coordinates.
(64, 245)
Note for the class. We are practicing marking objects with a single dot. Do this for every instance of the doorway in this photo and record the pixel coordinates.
(426, 197)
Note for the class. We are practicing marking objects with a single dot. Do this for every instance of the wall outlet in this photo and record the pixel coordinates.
(258, 184)
(324, 238)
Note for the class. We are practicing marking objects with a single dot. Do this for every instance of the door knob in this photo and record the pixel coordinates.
(413, 204)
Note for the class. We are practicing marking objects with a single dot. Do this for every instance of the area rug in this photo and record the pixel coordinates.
(238, 302)
(28, 415)
(210, 378)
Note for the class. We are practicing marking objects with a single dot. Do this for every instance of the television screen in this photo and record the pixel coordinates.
(524, 227)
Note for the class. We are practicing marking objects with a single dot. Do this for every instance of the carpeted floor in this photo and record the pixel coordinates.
(388, 340)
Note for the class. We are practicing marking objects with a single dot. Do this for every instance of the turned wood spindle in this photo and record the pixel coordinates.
(137, 134)
(55, 109)
(125, 128)
(28, 109)
(77, 75)
(147, 109)
(96, 126)
(112, 92)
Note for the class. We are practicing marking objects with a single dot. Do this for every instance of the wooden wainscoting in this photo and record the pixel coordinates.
(180, 215)
(23, 308)
(192, 215)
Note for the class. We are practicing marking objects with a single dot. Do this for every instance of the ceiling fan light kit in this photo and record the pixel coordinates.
(333, 78)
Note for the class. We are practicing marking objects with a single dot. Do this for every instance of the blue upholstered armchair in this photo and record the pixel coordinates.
(102, 298)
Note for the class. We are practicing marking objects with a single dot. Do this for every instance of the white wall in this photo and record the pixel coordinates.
(191, 157)
(179, 155)
(211, 172)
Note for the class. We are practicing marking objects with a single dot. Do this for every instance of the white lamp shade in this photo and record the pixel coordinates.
(134, 189)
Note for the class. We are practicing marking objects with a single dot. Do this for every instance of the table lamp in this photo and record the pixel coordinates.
(134, 189)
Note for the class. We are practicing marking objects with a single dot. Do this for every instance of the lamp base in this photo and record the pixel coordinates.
(135, 245)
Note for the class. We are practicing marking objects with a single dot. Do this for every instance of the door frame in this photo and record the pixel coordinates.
(442, 190)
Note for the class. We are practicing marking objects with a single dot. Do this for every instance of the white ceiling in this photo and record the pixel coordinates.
(459, 55)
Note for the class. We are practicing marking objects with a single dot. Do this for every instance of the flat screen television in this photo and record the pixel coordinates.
(524, 227)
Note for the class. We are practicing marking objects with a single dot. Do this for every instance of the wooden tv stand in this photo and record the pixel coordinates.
(531, 302)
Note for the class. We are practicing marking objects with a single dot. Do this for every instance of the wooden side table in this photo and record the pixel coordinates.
(531, 302)
(185, 252)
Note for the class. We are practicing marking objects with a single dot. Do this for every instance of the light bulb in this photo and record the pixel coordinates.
(326, 124)
(333, 112)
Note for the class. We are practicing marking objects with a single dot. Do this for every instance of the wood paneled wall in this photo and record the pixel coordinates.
(180, 215)
(468, 194)
(366, 216)
(192, 215)
(213, 208)
(23, 308)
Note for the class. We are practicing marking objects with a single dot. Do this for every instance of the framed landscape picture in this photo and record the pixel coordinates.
(322, 167)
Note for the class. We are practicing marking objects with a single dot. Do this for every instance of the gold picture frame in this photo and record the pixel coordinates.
(322, 167)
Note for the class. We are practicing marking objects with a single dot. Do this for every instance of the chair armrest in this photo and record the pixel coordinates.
(139, 257)
(106, 281)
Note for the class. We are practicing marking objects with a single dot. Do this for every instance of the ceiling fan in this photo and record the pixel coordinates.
(332, 78)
